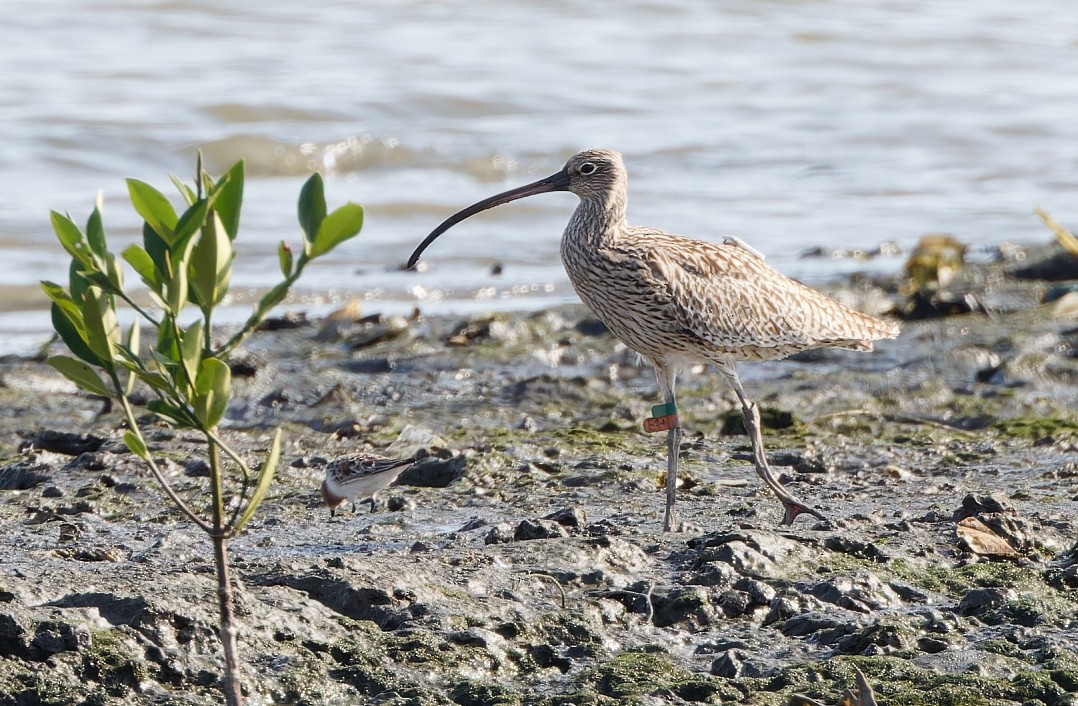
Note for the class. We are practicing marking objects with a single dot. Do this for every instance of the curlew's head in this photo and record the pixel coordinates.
(593, 175)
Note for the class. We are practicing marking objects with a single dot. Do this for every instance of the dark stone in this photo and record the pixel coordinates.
(873, 639)
(287, 321)
(1057, 267)
(856, 548)
(688, 607)
(568, 517)
(734, 603)
(733, 422)
(975, 505)
(23, 475)
(375, 365)
(88, 461)
(501, 533)
(591, 327)
(433, 472)
(718, 575)
(923, 305)
(118, 610)
(932, 645)
(729, 664)
(66, 442)
(908, 592)
(196, 468)
(813, 622)
(862, 592)
(12, 635)
(981, 600)
(343, 596)
(538, 529)
(758, 592)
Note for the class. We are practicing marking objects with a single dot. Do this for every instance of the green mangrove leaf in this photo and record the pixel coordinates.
(176, 292)
(129, 350)
(211, 263)
(229, 198)
(102, 326)
(188, 194)
(69, 326)
(134, 442)
(95, 233)
(114, 273)
(158, 250)
(191, 220)
(61, 298)
(81, 374)
(78, 282)
(71, 238)
(265, 480)
(154, 208)
(212, 388)
(312, 206)
(337, 227)
(284, 257)
(191, 350)
(170, 412)
(143, 264)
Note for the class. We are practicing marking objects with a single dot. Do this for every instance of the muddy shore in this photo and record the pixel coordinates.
(522, 562)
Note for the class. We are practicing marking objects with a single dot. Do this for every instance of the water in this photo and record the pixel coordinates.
(792, 123)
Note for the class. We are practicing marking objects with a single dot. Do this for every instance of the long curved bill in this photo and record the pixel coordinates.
(554, 182)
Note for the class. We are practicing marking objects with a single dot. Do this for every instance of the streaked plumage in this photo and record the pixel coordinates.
(359, 477)
(678, 300)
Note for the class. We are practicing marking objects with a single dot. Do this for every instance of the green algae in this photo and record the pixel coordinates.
(114, 663)
(630, 676)
(1038, 428)
(899, 682)
(483, 693)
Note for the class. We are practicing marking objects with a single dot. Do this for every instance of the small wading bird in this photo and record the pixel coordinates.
(359, 476)
(677, 300)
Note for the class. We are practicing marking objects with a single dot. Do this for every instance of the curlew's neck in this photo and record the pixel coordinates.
(598, 219)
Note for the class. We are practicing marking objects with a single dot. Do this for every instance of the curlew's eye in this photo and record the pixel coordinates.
(588, 168)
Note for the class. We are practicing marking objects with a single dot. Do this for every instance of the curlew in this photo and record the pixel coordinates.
(677, 301)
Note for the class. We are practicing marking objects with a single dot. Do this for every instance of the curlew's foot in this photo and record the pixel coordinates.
(793, 508)
(669, 520)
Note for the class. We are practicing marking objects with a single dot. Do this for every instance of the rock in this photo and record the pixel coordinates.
(413, 439)
(979, 601)
(862, 592)
(688, 608)
(66, 442)
(826, 628)
(729, 664)
(23, 475)
(856, 548)
(973, 505)
(433, 472)
(568, 517)
(538, 529)
(717, 575)
(752, 553)
(501, 533)
(977, 537)
(734, 603)
(877, 638)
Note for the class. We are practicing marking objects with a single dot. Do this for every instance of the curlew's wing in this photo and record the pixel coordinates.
(729, 298)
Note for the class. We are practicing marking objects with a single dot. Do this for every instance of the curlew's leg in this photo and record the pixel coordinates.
(792, 506)
(667, 379)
